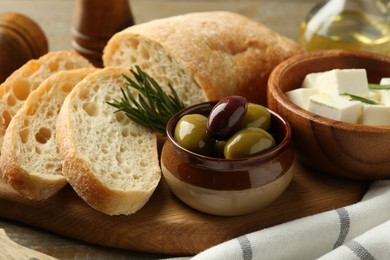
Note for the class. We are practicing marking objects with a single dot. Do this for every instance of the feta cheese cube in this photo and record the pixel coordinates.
(385, 81)
(377, 115)
(300, 96)
(384, 93)
(310, 80)
(337, 81)
(336, 108)
(374, 95)
(384, 96)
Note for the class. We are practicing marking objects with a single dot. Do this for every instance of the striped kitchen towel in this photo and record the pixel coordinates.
(358, 231)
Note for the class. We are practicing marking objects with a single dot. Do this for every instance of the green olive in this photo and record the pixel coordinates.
(191, 133)
(248, 141)
(257, 116)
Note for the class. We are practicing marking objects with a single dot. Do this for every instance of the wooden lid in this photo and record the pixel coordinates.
(29, 32)
(21, 39)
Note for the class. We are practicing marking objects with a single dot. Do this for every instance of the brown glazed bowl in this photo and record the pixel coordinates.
(333, 147)
(228, 187)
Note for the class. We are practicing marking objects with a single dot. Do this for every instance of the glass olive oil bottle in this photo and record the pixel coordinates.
(348, 24)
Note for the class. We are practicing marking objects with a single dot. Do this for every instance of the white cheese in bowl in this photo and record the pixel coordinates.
(300, 96)
(344, 95)
(310, 80)
(384, 93)
(337, 81)
(375, 115)
(337, 108)
(385, 81)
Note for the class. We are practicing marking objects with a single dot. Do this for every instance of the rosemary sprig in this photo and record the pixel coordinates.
(153, 107)
(359, 98)
(378, 86)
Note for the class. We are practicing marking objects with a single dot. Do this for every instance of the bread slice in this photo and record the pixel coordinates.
(206, 56)
(18, 86)
(30, 161)
(110, 161)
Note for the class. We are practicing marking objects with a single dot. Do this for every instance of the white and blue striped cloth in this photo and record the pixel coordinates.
(360, 231)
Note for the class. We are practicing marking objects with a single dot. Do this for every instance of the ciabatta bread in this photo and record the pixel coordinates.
(110, 161)
(30, 161)
(18, 86)
(205, 56)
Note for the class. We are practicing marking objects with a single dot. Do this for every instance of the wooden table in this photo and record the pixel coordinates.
(55, 18)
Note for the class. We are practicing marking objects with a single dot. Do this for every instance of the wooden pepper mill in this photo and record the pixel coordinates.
(21, 39)
(94, 22)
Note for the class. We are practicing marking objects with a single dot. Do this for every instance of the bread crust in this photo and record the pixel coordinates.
(226, 53)
(98, 195)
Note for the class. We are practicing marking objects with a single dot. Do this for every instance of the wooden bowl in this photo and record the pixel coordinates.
(228, 187)
(333, 147)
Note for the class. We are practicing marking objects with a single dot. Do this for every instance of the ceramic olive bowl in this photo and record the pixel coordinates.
(333, 147)
(228, 187)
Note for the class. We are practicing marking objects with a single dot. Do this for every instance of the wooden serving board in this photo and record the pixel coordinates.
(167, 226)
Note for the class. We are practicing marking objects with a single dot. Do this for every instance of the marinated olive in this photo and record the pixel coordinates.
(248, 141)
(191, 133)
(226, 117)
(257, 116)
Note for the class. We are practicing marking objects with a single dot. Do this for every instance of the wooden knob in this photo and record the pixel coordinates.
(94, 22)
(21, 39)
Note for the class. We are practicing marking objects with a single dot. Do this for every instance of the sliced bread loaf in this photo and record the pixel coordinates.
(110, 161)
(18, 86)
(30, 161)
(205, 56)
